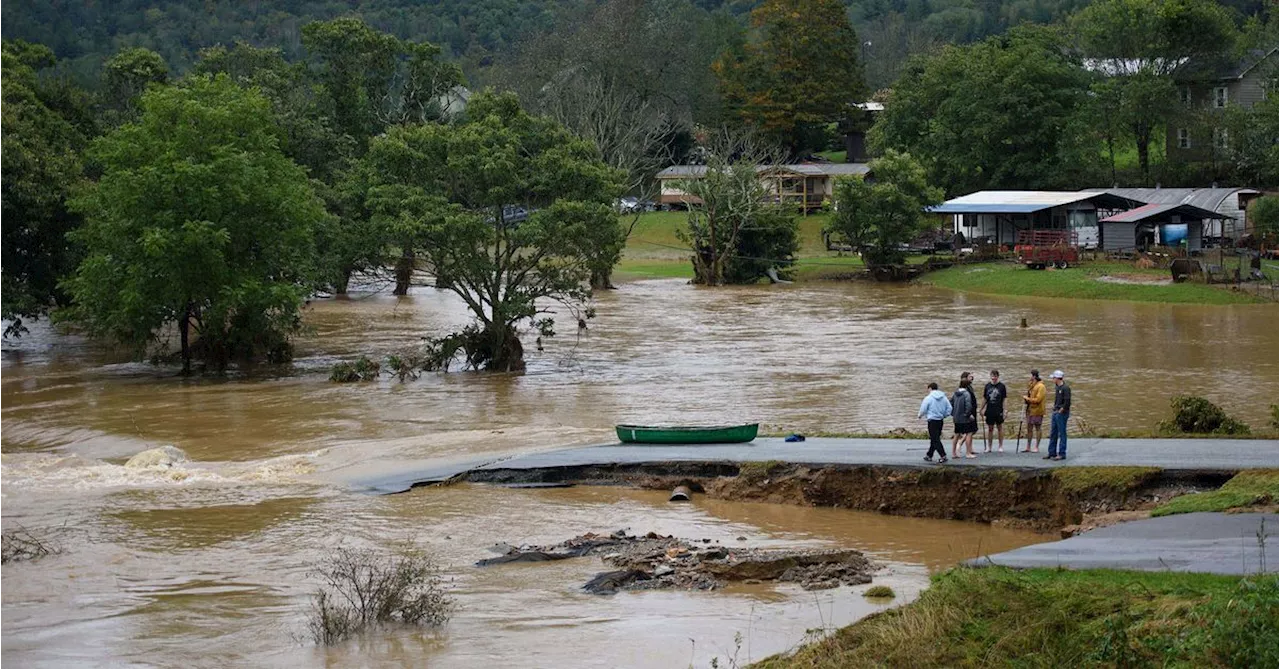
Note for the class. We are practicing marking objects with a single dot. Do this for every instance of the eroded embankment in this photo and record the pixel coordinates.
(1045, 500)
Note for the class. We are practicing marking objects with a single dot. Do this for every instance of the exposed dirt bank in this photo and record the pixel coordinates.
(1066, 499)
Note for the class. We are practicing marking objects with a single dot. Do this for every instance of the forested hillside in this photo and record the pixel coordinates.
(84, 33)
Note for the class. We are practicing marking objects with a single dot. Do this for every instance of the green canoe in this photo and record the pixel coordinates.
(652, 434)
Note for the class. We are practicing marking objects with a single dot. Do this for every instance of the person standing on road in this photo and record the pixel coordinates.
(1034, 399)
(1061, 412)
(964, 413)
(935, 408)
(993, 396)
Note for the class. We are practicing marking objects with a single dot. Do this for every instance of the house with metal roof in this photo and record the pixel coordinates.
(806, 185)
(1228, 205)
(998, 216)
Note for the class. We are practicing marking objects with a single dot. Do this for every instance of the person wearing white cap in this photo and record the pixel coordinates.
(1061, 412)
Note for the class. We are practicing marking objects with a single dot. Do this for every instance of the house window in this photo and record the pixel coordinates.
(1186, 95)
(1220, 97)
(1184, 138)
(1219, 138)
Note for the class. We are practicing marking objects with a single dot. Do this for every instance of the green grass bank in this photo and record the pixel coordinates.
(1248, 488)
(993, 616)
(1090, 280)
(655, 251)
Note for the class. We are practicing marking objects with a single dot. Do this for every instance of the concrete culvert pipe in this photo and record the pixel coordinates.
(680, 494)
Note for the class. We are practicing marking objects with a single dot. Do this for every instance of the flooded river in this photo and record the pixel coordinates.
(208, 564)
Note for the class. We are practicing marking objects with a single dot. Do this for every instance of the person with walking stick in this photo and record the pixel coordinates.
(1034, 400)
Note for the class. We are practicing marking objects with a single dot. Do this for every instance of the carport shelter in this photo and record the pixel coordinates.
(1154, 224)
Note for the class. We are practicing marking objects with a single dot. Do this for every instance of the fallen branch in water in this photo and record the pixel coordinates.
(21, 544)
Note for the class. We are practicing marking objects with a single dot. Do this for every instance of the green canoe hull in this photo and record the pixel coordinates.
(725, 434)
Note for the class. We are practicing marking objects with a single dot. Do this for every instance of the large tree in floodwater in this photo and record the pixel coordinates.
(199, 221)
(509, 211)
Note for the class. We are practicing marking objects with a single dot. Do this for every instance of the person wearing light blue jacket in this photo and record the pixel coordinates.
(935, 408)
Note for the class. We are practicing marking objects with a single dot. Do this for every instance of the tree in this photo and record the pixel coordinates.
(769, 242)
(1264, 213)
(1010, 112)
(877, 216)
(308, 135)
(453, 192)
(41, 158)
(371, 80)
(802, 74)
(630, 76)
(1250, 154)
(1137, 45)
(730, 217)
(126, 76)
(199, 222)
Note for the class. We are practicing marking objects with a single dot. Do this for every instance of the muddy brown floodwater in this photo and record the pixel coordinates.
(208, 563)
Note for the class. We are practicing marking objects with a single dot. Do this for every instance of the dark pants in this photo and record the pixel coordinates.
(935, 439)
(1058, 435)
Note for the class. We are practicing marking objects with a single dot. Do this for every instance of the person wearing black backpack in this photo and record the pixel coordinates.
(964, 413)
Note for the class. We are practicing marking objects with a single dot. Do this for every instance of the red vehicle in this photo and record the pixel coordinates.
(1038, 249)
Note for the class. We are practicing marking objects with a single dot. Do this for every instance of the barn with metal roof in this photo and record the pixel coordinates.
(1228, 203)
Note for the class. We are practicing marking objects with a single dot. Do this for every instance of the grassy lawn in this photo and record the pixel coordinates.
(1248, 488)
(653, 250)
(1080, 282)
(993, 617)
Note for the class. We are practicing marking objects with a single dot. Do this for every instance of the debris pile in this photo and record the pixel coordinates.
(653, 562)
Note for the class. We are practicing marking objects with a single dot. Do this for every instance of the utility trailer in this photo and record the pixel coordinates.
(1038, 249)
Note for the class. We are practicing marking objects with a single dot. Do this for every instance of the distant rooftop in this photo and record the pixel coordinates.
(803, 169)
(1222, 69)
(1205, 198)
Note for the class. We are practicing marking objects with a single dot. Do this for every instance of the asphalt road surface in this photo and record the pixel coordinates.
(1173, 454)
(1219, 543)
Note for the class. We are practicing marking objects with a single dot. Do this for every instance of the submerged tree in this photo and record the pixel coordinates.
(508, 211)
(199, 222)
(41, 165)
(370, 81)
(736, 231)
(877, 217)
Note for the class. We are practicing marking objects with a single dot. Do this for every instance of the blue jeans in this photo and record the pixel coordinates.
(1058, 435)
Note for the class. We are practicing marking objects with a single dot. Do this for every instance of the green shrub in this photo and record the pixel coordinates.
(1197, 415)
(879, 592)
(362, 369)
